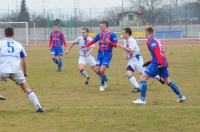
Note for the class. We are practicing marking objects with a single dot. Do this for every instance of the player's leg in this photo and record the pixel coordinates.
(21, 81)
(174, 87)
(3, 78)
(103, 77)
(53, 55)
(150, 71)
(60, 63)
(132, 79)
(82, 70)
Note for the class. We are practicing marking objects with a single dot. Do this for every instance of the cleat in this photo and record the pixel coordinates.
(181, 99)
(139, 101)
(87, 81)
(40, 110)
(135, 90)
(102, 88)
(2, 97)
(59, 70)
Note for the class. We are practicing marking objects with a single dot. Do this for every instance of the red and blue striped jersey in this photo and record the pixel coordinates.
(157, 52)
(103, 44)
(57, 39)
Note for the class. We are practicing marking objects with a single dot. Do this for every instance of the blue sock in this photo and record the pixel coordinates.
(106, 78)
(103, 79)
(55, 60)
(143, 89)
(59, 63)
(176, 90)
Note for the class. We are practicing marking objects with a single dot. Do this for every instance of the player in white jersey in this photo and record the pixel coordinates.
(12, 55)
(85, 54)
(132, 54)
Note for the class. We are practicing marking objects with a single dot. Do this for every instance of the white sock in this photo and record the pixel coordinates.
(33, 98)
(134, 82)
(84, 73)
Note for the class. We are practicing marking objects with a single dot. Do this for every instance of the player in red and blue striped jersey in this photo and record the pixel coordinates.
(57, 40)
(158, 66)
(107, 40)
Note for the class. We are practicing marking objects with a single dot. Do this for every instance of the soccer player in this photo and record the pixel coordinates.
(107, 40)
(132, 54)
(85, 54)
(158, 66)
(57, 40)
(12, 55)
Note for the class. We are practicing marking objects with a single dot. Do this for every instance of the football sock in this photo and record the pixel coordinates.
(33, 98)
(55, 60)
(60, 64)
(143, 90)
(176, 90)
(134, 82)
(84, 73)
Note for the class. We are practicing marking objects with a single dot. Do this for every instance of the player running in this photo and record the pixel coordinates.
(107, 40)
(12, 54)
(132, 54)
(85, 54)
(158, 66)
(57, 40)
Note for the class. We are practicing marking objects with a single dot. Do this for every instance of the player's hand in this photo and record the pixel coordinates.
(146, 64)
(120, 46)
(25, 74)
(108, 40)
(66, 51)
(160, 68)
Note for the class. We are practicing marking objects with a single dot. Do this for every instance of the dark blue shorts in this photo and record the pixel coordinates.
(57, 51)
(152, 71)
(104, 58)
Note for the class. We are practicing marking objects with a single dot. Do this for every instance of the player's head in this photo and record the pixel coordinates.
(126, 32)
(85, 32)
(9, 32)
(56, 27)
(149, 31)
(103, 26)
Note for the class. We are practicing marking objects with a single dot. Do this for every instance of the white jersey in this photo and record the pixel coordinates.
(132, 44)
(11, 53)
(81, 41)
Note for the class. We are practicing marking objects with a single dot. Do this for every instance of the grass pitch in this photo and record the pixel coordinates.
(71, 106)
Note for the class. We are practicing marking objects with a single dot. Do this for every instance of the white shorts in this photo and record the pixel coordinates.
(18, 78)
(90, 61)
(136, 64)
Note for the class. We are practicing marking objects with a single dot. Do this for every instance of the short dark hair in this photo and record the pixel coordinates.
(104, 22)
(86, 29)
(150, 30)
(9, 32)
(128, 30)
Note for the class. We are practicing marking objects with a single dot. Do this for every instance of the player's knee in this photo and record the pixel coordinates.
(166, 81)
(144, 76)
(129, 74)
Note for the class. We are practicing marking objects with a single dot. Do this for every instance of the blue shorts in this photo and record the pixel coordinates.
(104, 58)
(57, 51)
(152, 71)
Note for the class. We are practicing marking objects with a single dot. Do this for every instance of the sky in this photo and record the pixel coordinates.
(35, 5)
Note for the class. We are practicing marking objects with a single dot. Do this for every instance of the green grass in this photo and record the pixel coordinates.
(71, 106)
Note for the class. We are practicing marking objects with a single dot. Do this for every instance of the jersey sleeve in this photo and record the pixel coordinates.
(23, 53)
(63, 39)
(96, 38)
(50, 40)
(113, 39)
(156, 50)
